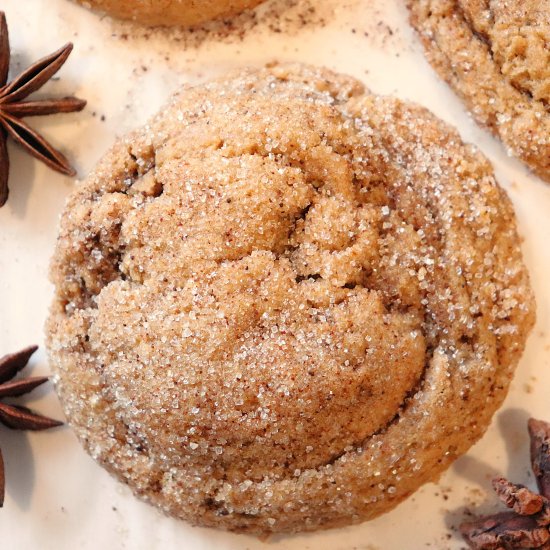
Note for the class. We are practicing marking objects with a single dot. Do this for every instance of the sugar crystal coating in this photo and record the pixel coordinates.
(286, 303)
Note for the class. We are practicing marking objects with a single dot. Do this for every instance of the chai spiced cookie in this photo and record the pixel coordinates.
(170, 12)
(286, 303)
(496, 56)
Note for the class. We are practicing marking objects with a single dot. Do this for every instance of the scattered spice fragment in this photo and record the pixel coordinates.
(528, 524)
(17, 417)
(13, 108)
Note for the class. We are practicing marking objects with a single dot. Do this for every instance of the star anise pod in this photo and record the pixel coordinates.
(13, 108)
(527, 525)
(17, 417)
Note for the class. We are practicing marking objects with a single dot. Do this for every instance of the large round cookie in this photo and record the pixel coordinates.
(286, 303)
(170, 12)
(496, 55)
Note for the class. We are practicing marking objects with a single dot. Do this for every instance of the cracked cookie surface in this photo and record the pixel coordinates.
(285, 303)
(496, 56)
(170, 12)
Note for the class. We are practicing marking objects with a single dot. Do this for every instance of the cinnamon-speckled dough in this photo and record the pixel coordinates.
(170, 12)
(496, 55)
(286, 303)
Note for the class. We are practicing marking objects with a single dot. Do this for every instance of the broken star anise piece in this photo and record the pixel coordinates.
(17, 417)
(13, 108)
(528, 524)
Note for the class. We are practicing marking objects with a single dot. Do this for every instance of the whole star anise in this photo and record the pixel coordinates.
(17, 417)
(527, 525)
(13, 108)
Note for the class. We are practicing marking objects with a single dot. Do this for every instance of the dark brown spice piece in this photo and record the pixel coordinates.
(523, 501)
(528, 525)
(506, 530)
(12, 108)
(540, 454)
(17, 417)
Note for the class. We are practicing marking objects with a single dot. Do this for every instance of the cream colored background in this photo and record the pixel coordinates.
(57, 498)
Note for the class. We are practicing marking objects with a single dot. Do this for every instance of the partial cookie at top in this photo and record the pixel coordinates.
(170, 12)
(496, 56)
(285, 303)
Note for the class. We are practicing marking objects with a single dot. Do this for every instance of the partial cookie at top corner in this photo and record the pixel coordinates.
(496, 56)
(166, 13)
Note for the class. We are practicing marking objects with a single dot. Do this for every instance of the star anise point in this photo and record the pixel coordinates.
(13, 108)
(18, 417)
